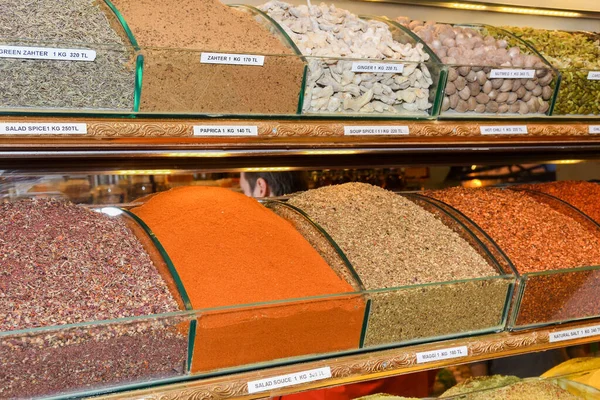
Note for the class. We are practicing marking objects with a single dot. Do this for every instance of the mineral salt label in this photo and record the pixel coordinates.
(503, 130)
(43, 128)
(594, 130)
(574, 333)
(442, 354)
(375, 130)
(386, 68)
(512, 73)
(594, 75)
(276, 382)
(232, 59)
(47, 53)
(225, 130)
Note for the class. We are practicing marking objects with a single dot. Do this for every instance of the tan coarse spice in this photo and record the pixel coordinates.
(528, 389)
(534, 235)
(392, 242)
(176, 81)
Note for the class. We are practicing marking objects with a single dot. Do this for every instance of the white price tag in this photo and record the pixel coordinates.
(375, 130)
(232, 59)
(289, 380)
(503, 130)
(594, 75)
(386, 68)
(512, 73)
(442, 354)
(574, 333)
(47, 53)
(44, 128)
(225, 130)
(594, 129)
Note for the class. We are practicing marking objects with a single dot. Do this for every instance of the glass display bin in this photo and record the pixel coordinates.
(515, 81)
(97, 356)
(88, 66)
(576, 56)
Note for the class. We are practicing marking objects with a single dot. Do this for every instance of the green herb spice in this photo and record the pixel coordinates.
(106, 83)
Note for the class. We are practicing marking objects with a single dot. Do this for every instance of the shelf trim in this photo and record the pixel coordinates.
(363, 367)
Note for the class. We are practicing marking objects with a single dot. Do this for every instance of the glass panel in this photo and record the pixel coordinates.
(88, 358)
(277, 332)
(576, 55)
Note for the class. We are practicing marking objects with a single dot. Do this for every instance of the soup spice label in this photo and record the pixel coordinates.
(47, 53)
(232, 59)
(376, 130)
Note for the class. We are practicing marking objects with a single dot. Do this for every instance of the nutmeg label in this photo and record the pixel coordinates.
(576, 333)
(44, 128)
(594, 130)
(386, 68)
(225, 130)
(47, 53)
(376, 130)
(503, 130)
(594, 75)
(513, 73)
(276, 382)
(442, 354)
(232, 59)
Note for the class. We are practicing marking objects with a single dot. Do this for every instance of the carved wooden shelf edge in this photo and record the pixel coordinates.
(169, 128)
(356, 368)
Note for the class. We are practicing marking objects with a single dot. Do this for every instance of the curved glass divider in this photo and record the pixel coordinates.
(558, 296)
(319, 239)
(252, 336)
(404, 35)
(89, 358)
(440, 310)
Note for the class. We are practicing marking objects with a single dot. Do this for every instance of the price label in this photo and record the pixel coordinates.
(225, 130)
(289, 380)
(576, 333)
(503, 130)
(232, 59)
(594, 129)
(386, 68)
(594, 75)
(443, 354)
(33, 128)
(375, 130)
(47, 53)
(512, 73)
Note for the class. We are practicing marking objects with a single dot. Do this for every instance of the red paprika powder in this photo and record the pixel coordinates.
(230, 250)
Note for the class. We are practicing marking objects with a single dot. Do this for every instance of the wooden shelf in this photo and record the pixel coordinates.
(362, 367)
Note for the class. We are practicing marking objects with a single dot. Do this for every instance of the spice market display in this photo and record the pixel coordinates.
(394, 244)
(229, 250)
(63, 264)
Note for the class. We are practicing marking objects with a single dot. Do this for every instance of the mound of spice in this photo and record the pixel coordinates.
(526, 389)
(105, 83)
(393, 242)
(64, 264)
(230, 250)
(538, 236)
(176, 81)
(580, 194)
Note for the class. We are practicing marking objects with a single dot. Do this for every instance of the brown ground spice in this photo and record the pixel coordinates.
(175, 81)
(62, 264)
(538, 237)
(393, 242)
